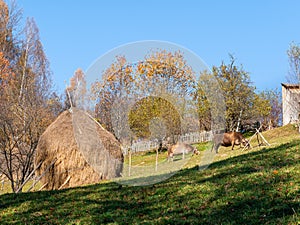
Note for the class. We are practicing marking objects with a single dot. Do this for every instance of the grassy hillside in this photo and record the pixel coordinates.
(258, 186)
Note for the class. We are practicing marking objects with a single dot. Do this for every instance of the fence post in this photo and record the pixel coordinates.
(129, 162)
(156, 160)
(2, 185)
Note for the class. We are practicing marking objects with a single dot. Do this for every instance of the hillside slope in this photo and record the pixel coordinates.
(256, 187)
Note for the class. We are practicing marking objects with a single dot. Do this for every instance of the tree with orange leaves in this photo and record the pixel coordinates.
(166, 76)
(25, 97)
(76, 91)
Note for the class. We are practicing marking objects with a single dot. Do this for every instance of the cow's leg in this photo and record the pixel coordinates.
(170, 157)
(232, 145)
(213, 147)
(183, 154)
(216, 147)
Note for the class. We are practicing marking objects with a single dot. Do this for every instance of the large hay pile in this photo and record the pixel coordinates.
(81, 151)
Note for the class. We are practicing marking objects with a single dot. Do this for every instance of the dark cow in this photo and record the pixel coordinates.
(229, 139)
(181, 148)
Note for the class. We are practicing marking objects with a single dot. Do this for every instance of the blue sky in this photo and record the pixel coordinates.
(257, 33)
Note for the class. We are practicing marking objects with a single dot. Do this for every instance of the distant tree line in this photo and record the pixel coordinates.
(172, 76)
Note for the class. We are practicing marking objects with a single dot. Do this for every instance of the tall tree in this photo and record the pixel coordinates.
(237, 90)
(168, 76)
(203, 103)
(154, 117)
(25, 109)
(261, 110)
(161, 73)
(76, 91)
(294, 64)
(10, 30)
(271, 108)
(116, 84)
(293, 77)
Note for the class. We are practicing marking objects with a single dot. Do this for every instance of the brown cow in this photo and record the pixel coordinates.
(229, 139)
(181, 148)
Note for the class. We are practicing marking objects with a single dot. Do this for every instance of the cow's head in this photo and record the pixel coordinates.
(245, 142)
(196, 152)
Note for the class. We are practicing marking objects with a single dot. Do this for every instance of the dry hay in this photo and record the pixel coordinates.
(85, 153)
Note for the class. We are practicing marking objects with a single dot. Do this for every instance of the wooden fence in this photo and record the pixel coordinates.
(196, 137)
(189, 138)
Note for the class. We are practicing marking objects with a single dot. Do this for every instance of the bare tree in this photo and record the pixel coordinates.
(291, 96)
(76, 91)
(25, 112)
(9, 30)
(293, 53)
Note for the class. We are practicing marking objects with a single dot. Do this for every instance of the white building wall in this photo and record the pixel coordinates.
(290, 104)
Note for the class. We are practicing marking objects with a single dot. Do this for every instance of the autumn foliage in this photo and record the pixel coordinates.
(159, 86)
(26, 101)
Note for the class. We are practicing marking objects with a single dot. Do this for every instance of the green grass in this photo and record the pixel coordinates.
(257, 186)
(6, 188)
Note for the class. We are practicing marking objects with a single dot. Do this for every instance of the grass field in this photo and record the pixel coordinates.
(257, 186)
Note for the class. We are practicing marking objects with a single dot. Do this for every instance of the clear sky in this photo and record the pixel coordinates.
(256, 33)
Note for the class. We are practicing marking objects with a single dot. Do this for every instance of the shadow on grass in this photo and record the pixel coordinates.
(255, 188)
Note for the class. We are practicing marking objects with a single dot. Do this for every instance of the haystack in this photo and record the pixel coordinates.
(75, 150)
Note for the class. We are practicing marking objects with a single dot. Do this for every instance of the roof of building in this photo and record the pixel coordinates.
(290, 85)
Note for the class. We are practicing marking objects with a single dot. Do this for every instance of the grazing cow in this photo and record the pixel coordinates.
(181, 148)
(229, 139)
